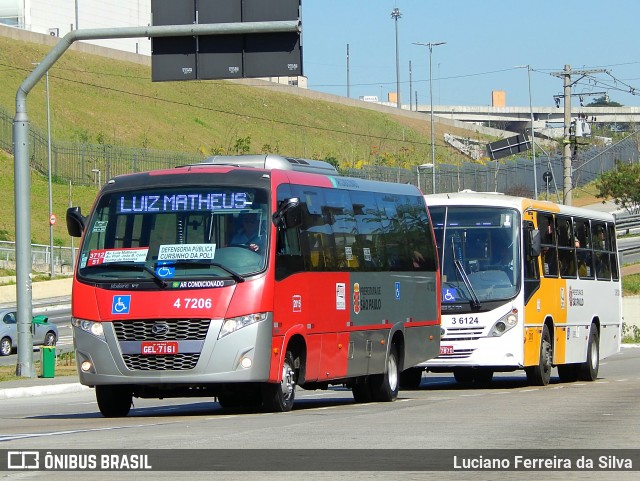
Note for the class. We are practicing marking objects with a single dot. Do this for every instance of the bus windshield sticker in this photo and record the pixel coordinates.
(105, 256)
(175, 252)
(165, 270)
(348, 253)
(100, 226)
(341, 296)
(449, 294)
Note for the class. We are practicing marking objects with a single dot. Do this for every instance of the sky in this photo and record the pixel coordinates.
(486, 40)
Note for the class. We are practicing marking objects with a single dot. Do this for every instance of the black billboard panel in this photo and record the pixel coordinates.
(272, 55)
(173, 58)
(270, 10)
(225, 56)
(506, 147)
(220, 56)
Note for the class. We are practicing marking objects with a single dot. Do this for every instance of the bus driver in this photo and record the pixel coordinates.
(249, 234)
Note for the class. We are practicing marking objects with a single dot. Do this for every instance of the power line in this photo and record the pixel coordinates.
(243, 115)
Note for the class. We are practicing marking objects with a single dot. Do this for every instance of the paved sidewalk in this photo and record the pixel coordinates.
(38, 386)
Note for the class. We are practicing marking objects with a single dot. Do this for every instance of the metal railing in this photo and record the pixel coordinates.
(63, 257)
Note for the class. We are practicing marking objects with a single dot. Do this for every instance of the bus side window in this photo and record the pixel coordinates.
(288, 249)
(566, 247)
(601, 251)
(584, 254)
(615, 273)
(549, 255)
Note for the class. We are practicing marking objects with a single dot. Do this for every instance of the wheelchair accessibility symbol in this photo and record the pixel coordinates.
(449, 294)
(121, 305)
(166, 271)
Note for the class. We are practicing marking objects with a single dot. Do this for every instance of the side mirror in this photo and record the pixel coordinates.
(289, 214)
(535, 247)
(75, 222)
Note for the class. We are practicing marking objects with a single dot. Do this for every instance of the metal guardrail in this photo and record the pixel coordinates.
(627, 224)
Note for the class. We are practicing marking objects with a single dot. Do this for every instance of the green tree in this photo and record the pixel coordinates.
(622, 185)
(603, 101)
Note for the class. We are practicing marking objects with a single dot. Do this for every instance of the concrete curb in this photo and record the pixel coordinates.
(20, 392)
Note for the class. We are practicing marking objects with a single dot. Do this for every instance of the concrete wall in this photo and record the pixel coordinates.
(631, 310)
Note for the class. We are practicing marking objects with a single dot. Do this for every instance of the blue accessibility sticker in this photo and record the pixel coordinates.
(165, 269)
(449, 294)
(120, 304)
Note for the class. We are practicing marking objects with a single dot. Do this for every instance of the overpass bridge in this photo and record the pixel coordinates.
(518, 119)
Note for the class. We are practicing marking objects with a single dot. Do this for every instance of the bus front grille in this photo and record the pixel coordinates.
(161, 329)
(175, 362)
(462, 334)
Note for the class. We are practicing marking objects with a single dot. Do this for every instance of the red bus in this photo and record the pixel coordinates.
(244, 277)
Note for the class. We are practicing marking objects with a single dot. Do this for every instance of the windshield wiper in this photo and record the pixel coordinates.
(136, 267)
(236, 277)
(475, 302)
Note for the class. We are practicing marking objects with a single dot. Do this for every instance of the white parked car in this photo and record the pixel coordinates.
(44, 333)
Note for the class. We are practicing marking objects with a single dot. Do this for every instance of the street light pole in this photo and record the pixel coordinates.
(51, 221)
(395, 14)
(430, 45)
(51, 264)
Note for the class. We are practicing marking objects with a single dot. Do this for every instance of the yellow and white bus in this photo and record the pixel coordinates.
(527, 285)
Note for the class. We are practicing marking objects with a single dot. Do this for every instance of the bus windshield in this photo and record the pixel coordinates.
(171, 234)
(479, 252)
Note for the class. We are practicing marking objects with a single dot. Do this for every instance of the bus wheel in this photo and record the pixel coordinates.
(483, 376)
(411, 378)
(361, 390)
(568, 372)
(464, 375)
(589, 369)
(279, 397)
(114, 401)
(541, 374)
(384, 387)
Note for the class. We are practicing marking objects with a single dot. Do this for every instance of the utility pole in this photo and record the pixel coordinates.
(410, 87)
(566, 141)
(348, 93)
(395, 14)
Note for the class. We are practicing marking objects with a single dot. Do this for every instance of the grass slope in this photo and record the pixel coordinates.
(81, 196)
(99, 100)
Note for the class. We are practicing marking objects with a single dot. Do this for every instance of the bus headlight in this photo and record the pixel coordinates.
(504, 324)
(234, 323)
(93, 328)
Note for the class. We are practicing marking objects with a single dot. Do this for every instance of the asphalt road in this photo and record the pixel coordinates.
(441, 414)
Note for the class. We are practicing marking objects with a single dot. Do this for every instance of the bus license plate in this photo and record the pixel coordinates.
(154, 348)
(446, 350)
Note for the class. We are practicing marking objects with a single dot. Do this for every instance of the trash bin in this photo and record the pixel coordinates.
(47, 361)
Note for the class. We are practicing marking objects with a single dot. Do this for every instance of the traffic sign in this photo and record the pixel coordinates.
(52, 219)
